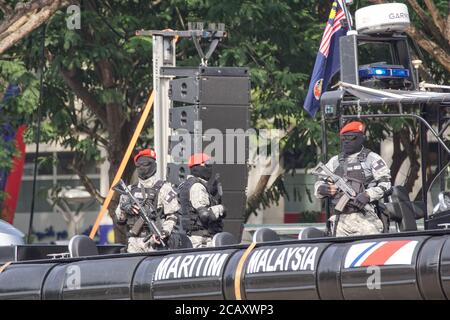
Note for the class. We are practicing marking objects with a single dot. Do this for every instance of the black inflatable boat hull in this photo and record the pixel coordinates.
(400, 266)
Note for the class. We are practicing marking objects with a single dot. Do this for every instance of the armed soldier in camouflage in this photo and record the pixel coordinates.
(200, 199)
(158, 199)
(367, 173)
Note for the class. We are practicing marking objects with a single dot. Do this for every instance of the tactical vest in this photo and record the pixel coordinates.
(353, 174)
(190, 218)
(143, 195)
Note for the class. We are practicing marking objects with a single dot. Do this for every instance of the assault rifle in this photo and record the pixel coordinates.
(122, 188)
(219, 193)
(215, 188)
(348, 192)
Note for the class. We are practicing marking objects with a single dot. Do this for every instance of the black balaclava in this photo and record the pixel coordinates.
(352, 142)
(146, 167)
(204, 172)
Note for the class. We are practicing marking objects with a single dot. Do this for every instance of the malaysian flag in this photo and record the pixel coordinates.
(7, 132)
(10, 181)
(327, 60)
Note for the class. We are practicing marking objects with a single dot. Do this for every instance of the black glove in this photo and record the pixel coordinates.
(164, 234)
(126, 206)
(327, 190)
(361, 200)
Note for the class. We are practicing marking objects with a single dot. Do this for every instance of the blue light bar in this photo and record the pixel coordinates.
(402, 73)
(382, 72)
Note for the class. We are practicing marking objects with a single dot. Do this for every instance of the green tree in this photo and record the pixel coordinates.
(17, 110)
(19, 18)
(431, 31)
(109, 69)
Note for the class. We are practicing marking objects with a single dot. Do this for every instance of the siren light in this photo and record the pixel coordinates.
(383, 71)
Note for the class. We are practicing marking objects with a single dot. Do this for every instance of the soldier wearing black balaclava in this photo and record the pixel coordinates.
(200, 200)
(158, 199)
(367, 173)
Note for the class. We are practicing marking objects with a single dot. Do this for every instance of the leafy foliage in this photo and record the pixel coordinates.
(110, 70)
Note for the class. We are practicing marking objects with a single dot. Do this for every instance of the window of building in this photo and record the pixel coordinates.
(54, 171)
(301, 206)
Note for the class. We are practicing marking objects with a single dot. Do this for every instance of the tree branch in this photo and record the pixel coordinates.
(438, 28)
(437, 18)
(410, 150)
(92, 133)
(180, 17)
(253, 199)
(427, 21)
(16, 13)
(72, 80)
(447, 25)
(438, 53)
(26, 18)
(87, 183)
(6, 8)
(114, 112)
(397, 157)
(79, 128)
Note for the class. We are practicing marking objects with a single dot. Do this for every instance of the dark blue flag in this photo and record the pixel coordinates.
(327, 60)
(7, 132)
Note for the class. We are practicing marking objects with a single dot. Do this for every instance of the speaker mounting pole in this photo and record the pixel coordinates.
(164, 49)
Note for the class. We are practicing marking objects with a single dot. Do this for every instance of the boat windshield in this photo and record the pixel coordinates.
(375, 52)
(439, 191)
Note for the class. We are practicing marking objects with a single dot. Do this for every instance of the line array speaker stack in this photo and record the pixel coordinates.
(211, 113)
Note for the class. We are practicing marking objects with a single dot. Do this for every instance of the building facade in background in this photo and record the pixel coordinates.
(61, 206)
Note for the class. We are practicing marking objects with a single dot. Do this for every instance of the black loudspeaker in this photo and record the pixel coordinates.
(211, 90)
(223, 148)
(205, 71)
(217, 98)
(234, 202)
(233, 177)
(211, 116)
(177, 173)
(234, 226)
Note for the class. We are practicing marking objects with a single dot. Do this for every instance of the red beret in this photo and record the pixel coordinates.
(197, 158)
(146, 152)
(354, 126)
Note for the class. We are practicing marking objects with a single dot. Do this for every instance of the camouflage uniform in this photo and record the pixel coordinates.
(376, 176)
(167, 206)
(200, 199)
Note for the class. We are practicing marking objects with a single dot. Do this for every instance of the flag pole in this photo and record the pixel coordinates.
(347, 14)
(38, 131)
(325, 159)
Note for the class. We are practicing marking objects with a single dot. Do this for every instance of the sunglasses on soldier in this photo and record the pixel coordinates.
(144, 161)
(348, 137)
